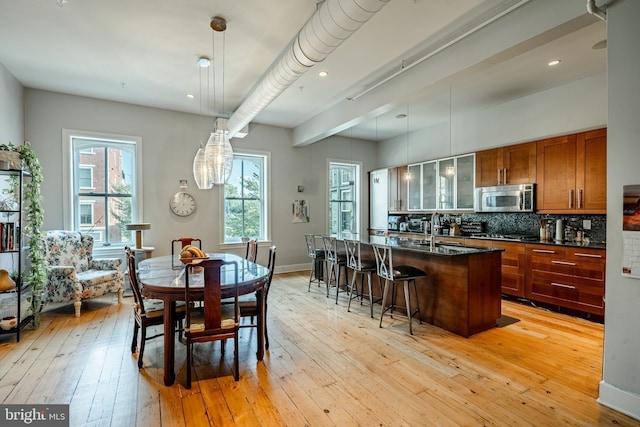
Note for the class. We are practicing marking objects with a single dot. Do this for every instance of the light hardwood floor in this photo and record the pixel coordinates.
(325, 367)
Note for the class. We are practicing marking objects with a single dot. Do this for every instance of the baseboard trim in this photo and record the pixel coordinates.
(291, 268)
(619, 400)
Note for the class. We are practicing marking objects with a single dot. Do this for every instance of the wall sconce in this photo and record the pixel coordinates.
(300, 188)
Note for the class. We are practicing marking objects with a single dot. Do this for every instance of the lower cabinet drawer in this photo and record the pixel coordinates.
(567, 291)
(569, 277)
(587, 270)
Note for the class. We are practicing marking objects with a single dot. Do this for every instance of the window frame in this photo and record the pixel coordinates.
(333, 185)
(266, 200)
(90, 169)
(80, 205)
(68, 196)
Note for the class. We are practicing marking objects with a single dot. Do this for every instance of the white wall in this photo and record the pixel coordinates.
(170, 141)
(620, 386)
(11, 109)
(572, 107)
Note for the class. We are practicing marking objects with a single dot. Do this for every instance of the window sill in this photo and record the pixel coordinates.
(240, 245)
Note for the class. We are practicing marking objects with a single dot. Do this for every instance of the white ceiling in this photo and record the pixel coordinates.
(145, 51)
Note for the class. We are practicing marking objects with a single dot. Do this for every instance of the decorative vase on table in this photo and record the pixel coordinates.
(6, 282)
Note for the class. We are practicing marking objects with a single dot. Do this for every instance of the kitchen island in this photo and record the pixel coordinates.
(462, 290)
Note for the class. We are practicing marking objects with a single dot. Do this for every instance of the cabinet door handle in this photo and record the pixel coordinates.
(560, 285)
(504, 175)
(498, 176)
(580, 199)
(570, 199)
(544, 251)
(588, 255)
(562, 262)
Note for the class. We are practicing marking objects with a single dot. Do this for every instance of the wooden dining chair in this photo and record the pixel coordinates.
(183, 241)
(249, 306)
(146, 312)
(218, 322)
(251, 253)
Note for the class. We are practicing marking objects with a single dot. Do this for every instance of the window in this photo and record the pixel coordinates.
(245, 199)
(86, 214)
(103, 187)
(85, 176)
(344, 191)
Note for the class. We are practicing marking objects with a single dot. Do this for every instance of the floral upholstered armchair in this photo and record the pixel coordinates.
(73, 274)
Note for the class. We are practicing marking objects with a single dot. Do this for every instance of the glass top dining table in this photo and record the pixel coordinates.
(163, 278)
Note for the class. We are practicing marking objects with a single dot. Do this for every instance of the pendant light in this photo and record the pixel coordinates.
(218, 151)
(219, 156)
(201, 173)
(450, 170)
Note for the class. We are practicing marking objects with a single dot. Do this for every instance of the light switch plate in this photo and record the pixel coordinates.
(586, 224)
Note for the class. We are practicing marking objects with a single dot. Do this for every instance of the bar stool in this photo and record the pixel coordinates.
(396, 273)
(336, 262)
(317, 257)
(362, 267)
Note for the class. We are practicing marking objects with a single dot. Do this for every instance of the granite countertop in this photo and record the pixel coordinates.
(589, 244)
(422, 245)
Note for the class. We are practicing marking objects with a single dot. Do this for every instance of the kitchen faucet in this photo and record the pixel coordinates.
(435, 216)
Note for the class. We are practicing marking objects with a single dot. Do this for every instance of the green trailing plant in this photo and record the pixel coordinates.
(36, 275)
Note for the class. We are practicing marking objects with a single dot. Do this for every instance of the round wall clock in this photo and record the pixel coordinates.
(182, 204)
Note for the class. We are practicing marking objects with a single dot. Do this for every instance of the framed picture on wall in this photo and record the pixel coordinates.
(300, 211)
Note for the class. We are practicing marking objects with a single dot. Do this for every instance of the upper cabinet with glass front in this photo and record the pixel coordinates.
(443, 185)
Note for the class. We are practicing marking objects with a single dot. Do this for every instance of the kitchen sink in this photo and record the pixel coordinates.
(458, 249)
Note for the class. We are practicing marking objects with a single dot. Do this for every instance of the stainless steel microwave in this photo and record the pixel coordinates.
(506, 198)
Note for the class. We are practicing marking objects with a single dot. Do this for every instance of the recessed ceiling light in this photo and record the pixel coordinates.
(190, 96)
(323, 73)
(204, 62)
(553, 62)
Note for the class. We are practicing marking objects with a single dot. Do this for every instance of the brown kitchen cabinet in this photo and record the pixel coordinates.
(513, 264)
(398, 190)
(591, 171)
(513, 164)
(571, 277)
(572, 173)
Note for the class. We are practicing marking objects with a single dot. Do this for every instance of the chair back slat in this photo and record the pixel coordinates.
(352, 248)
(330, 248)
(212, 277)
(133, 279)
(271, 266)
(252, 250)
(184, 241)
(311, 245)
(384, 261)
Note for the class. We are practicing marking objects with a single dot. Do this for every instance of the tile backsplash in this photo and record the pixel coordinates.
(528, 223)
